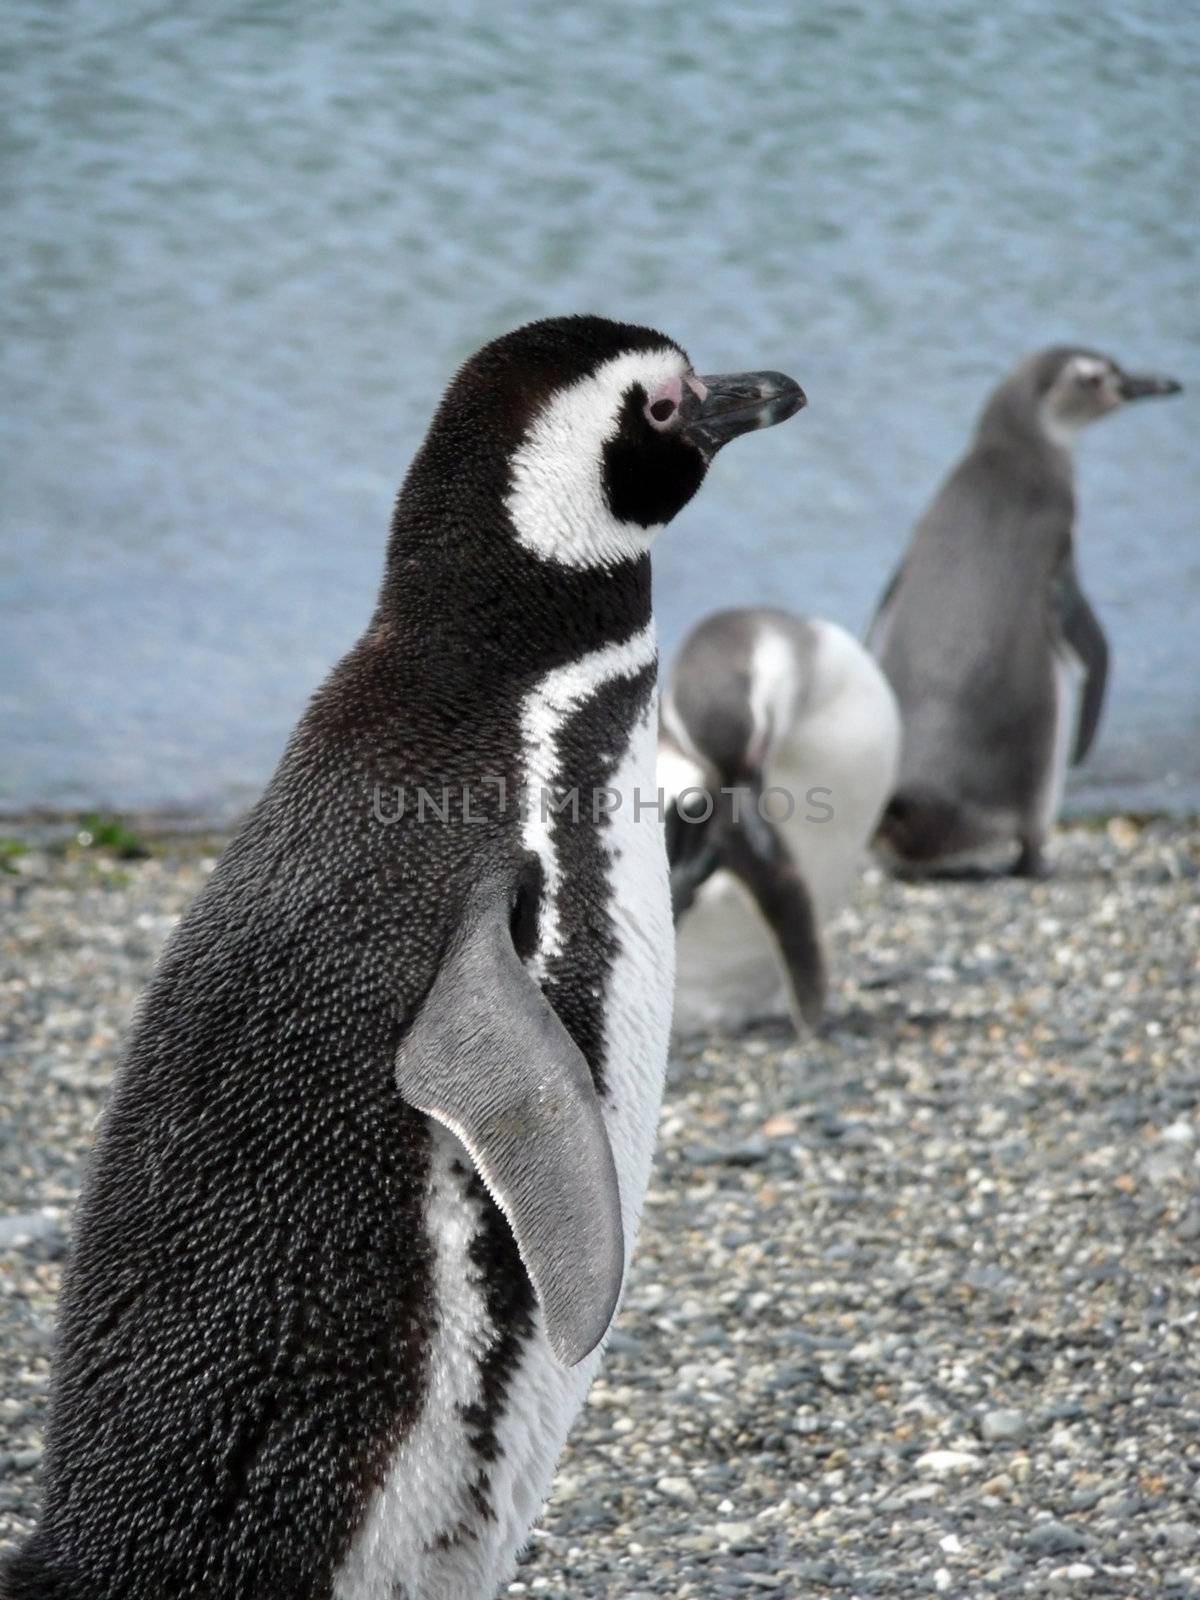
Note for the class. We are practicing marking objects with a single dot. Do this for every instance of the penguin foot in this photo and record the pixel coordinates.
(808, 997)
(828, 1028)
(964, 873)
(1032, 863)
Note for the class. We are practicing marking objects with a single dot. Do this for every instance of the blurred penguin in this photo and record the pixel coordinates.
(997, 659)
(778, 749)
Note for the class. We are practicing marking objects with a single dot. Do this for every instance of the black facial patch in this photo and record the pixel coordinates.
(648, 476)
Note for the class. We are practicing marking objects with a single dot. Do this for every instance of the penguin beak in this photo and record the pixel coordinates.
(1132, 386)
(730, 403)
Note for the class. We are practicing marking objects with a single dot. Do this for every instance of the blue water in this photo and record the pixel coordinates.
(245, 245)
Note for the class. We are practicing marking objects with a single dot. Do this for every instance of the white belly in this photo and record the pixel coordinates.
(427, 1486)
(1068, 674)
(839, 762)
(728, 973)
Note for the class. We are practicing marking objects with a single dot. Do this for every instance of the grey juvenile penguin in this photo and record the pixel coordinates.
(359, 1211)
(984, 630)
(779, 747)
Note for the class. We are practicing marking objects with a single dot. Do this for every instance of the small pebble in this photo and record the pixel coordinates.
(1002, 1426)
(938, 1463)
(1055, 1539)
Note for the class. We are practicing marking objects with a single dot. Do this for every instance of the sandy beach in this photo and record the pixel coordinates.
(917, 1304)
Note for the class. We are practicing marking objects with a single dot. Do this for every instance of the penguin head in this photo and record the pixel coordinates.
(600, 432)
(1074, 387)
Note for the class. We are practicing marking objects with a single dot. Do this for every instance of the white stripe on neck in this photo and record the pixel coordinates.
(543, 715)
(556, 500)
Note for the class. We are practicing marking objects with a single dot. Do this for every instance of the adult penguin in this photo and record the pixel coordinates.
(359, 1212)
(986, 634)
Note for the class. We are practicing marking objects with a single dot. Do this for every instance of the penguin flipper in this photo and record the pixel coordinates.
(693, 854)
(1082, 632)
(488, 1057)
(754, 851)
(876, 635)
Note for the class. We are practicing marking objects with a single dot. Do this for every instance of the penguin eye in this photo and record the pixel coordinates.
(662, 403)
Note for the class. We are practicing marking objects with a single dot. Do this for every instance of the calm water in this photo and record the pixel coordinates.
(244, 248)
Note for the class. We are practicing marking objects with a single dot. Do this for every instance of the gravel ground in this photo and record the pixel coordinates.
(916, 1304)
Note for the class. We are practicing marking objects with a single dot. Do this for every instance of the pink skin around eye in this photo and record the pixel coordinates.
(700, 390)
(672, 391)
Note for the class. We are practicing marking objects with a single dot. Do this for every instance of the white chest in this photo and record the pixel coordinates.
(1068, 678)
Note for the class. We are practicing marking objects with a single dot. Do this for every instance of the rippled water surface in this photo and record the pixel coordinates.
(246, 245)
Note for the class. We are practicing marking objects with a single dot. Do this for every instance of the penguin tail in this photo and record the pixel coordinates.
(26, 1575)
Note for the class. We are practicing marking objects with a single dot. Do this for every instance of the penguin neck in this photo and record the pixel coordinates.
(1061, 434)
(1015, 421)
(468, 591)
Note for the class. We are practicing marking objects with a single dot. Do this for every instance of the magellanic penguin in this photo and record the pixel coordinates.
(779, 747)
(361, 1205)
(985, 633)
